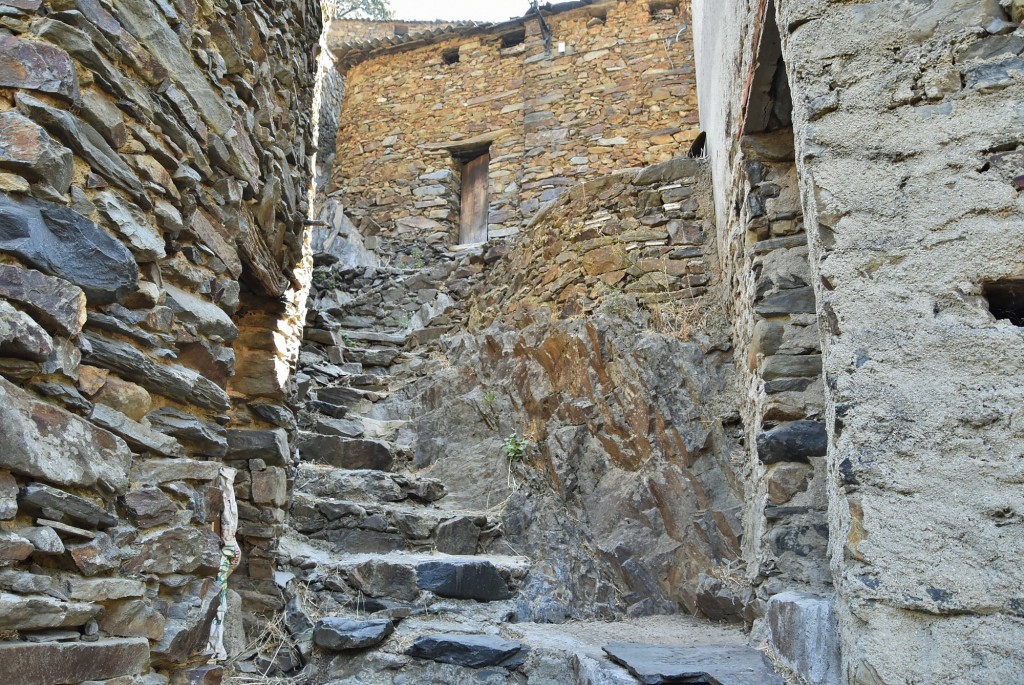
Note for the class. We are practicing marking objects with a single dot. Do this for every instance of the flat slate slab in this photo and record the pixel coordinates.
(460, 579)
(473, 651)
(338, 634)
(707, 664)
(53, 663)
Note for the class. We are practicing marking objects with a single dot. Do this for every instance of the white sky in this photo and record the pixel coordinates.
(479, 10)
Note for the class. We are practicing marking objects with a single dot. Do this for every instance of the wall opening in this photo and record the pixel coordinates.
(475, 202)
(663, 10)
(513, 38)
(770, 104)
(450, 56)
(1006, 300)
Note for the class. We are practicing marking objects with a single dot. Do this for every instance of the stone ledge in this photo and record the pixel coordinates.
(61, 663)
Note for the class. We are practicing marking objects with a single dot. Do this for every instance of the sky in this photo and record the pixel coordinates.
(479, 10)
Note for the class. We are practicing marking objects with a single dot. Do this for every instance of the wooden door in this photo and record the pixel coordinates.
(473, 227)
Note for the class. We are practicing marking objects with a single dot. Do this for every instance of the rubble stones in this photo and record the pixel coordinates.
(61, 242)
(27, 149)
(472, 651)
(340, 634)
(8, 496)
(96, 556)
(459, 535)
(126, 218)
(84, 140)
(42, 441)
(173, 381)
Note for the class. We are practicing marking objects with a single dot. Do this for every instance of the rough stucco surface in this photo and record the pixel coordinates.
(899, 120)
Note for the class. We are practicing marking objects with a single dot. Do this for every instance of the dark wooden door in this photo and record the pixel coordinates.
(473, 228)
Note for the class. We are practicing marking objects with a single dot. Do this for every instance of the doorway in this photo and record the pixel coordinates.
(475, 204)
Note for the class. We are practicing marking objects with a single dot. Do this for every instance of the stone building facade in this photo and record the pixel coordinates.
(593, 88)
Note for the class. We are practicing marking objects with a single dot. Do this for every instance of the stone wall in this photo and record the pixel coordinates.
(621, 95)
(904, 130)
(153, 180)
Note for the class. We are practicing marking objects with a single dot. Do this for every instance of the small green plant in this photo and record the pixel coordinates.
(513, 448)
(346, 340)
(489, 397)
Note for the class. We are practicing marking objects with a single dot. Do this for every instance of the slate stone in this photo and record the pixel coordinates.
(130, 222)
(172, 381)
(472, 651)
(22, 337)
(188, 625)
(25, 583)
(345, 428)
(56, 304)
(795, 441)
(378, 578)
(44, 539)
(57, 504)
(86, 141)
(269, 445)
(139, 436)
(28, 149)
(176, 550)
(45, 442)
(201, 437)
(149, 507)
(459, 579)
(672, 170)
(61, 242)
(28, 612)
(14, 547)
(51, 663)
(346, 453)
(8, 496)
(96, 556)
(792, 301)
(340, 634)
(204, 316)
(103, 589)
(270, 487)
(787, 366)
(105, 117)
(459, 535)
(275, 414)
(157, 471)
(721, 664)
(37, 66)
(804, 632)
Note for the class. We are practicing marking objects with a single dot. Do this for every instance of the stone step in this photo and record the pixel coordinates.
(366, 485)
(477, 645)
(409, 576)
(350, 453)
(385, 527)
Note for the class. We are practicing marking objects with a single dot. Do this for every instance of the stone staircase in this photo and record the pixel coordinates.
(389, 581)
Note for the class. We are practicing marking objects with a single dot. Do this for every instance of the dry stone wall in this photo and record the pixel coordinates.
(153, 174)
(621, 95)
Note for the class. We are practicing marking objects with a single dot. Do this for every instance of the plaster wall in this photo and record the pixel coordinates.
(906, 122)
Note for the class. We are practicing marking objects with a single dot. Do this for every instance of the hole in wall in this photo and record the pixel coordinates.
(770, 107)
(513, 38)
(663, 10)
(450, 56)
(1005, 299)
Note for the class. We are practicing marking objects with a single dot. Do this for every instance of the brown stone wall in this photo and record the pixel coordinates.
(153, 175)
(620, 96)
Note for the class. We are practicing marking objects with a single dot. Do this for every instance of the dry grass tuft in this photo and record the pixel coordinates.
(680, 318)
